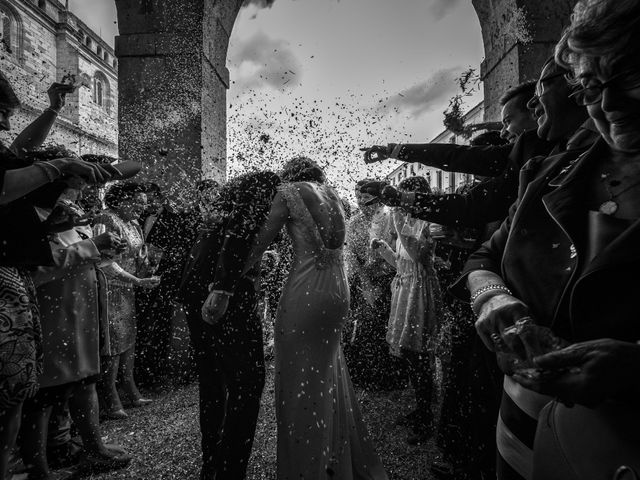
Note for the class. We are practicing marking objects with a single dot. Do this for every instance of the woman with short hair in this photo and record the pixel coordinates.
(563, 269)
(125, 202)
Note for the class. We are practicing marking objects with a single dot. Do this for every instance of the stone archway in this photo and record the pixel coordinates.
(172, 86)
(173, 76)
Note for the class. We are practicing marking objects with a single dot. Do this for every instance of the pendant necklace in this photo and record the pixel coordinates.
(610, 206)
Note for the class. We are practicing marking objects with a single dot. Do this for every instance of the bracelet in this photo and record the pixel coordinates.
(58, 171)
(53, 110)
(487, 288)
(50, 176)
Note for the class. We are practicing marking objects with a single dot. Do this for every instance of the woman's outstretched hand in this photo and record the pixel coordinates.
(377, 153)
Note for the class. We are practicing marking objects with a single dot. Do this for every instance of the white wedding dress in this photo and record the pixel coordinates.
(321, 434)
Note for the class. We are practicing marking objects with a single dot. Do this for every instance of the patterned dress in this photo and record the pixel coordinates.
(20, 338)
(21, 243)
(121, 303)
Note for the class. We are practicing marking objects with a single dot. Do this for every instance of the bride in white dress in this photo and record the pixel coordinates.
(321, 433)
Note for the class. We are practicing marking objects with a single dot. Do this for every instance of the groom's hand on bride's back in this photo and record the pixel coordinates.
(214, 307)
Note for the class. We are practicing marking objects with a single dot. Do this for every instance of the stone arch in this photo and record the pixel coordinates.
(173, 76)
(11, 29)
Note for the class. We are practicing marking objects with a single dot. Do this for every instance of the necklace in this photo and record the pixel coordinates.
(610, 206)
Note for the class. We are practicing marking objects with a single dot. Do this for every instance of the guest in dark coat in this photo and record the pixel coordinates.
(169, 233)
(564, 267)
(229, 354)
(24, 244)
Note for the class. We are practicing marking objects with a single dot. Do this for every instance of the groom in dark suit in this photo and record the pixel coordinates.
(229, 353)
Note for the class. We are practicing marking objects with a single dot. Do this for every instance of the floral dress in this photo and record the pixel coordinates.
(20, 331)
(121, 305)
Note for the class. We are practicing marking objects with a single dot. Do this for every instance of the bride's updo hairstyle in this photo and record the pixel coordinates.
(302, 169)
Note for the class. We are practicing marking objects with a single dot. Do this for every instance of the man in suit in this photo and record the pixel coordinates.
(169, 234)
(229, 354)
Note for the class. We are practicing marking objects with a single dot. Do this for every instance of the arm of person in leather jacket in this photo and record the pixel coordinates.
(487, 202)
(487, 161)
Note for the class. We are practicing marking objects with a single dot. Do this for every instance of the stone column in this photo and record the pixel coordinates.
(172, 81)
(518, 36)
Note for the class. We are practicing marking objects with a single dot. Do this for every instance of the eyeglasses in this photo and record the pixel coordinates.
(593, 94)
(543, 80)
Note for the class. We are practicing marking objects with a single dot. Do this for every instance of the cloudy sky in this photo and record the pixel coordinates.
(323, 78)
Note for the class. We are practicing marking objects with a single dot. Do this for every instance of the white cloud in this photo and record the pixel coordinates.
(261, 60)
(426, 96)
(441, 8)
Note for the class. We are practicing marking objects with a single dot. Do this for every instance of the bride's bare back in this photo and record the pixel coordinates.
(326, 209)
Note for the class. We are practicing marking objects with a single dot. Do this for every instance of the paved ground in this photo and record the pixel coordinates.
(164, 437)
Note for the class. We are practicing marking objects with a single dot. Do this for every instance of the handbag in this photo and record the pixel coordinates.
(580, 443)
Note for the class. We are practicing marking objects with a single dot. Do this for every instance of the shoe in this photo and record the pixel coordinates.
(114, 448)
(102, 462)
(141, 402)
(118, 414)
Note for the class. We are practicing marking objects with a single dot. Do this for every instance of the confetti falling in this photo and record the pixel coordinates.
(169, 449)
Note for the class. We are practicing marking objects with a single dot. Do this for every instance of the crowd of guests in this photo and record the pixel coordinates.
(83, 266)
(551, 290)
(520, 285)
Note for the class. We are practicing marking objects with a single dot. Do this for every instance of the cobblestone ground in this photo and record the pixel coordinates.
(164, 437)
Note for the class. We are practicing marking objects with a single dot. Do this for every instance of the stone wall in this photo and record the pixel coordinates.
(173, 82)
(47, 44)
(518, 36)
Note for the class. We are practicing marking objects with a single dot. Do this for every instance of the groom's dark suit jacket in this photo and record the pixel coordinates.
(221, 250)
(229, 354)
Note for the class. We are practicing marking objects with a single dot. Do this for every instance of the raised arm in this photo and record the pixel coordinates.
(34, 135)
(476, 160)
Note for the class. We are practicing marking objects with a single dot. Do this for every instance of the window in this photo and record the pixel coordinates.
(7, 34)
(452, 182)
(99, 51)
(101, 91)
(88, 42)
(439, 180)
(115, 63)
(10, 31)
(99, 97)
(106, 57)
